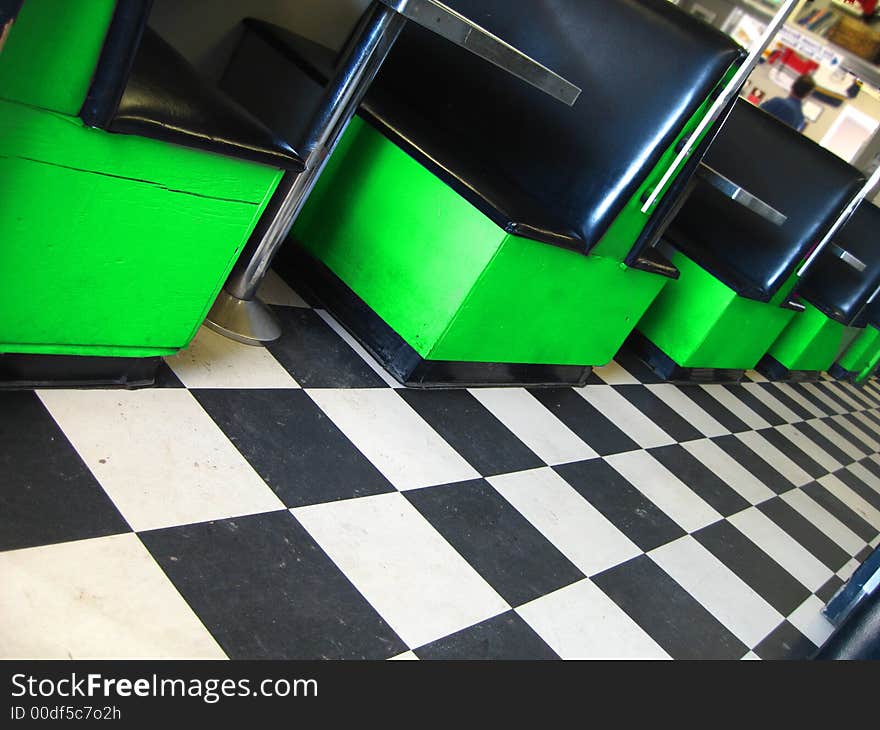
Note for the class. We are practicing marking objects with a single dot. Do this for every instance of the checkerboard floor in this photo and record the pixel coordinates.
(294, 502)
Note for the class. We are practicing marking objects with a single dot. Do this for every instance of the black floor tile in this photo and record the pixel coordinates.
(265, 590)
(625, 506)
(166, 378)
(585, 421)
(503, 547)
(702, 480)
(636, 367)
(843, 513)
(759, 468)
(754, 403)
(293, 446)
(830, 587)
(874, 417)
(505, 637)
(799, 457)
(785, 643)
(867, 493)
(823, 443)
(667, 612)
(316, 356)
(822, 385)
(766, 577)
(711, 405)
(467, 426)
(824, 408)
(47, 494)
(659, 413)
(848, 436)
(871, 465)
(805, 532)
(787, 401)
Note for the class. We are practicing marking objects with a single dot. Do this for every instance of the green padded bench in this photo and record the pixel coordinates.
(835, 292)
(470, 230)
(764, 198)
(128, 187)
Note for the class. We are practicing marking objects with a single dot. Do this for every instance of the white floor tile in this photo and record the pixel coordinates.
(215, 361)
(773, 456)
(773, 403)
(867, 424)
(740, 479)
(756, 377)
(751, 656)
(534, 425)
(845, 396)
(807, 405)
(581, 622)
(419, 584)
(614, 374)
(857, 394)
(859, 433)
(846, 572)
(394, 437)
(159, 456)
(748, 616)
(823, 520)
(851, 499)
(625, 416)
(835, 438)
(810, 448)
(687, 409)
(861, 472)
(664, 489)
(102, 598)
(783, 548)
(406, 656)
(735, 406)
(808, 619)
(577, 529)
(358, 348)
(832, 405)
(274, 290)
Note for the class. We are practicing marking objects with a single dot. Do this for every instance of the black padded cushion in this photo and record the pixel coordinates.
(800, 179)
(834, 287)
(534, 165)
(164, 98)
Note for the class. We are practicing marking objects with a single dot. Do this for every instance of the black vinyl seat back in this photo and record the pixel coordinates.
(805, 182)
(645, 67)
(143, 86)
(837, 288)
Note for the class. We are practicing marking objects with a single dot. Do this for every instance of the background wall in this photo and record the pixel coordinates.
(206, 31)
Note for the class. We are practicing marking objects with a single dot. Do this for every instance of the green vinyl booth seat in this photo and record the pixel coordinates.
(835, 294)
(738, 268)
(470, 230)
(127, 186)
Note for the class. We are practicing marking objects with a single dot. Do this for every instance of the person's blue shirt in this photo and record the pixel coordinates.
(789, 110)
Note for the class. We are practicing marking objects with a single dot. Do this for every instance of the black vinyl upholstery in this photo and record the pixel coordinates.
(833, 286)
(534, 165)
(858, 637)
(800, 179)
(142, 86)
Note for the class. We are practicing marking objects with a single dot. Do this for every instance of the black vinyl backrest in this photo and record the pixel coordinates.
(644, 66)
(114, 65)
(835, 287)
(793, 174)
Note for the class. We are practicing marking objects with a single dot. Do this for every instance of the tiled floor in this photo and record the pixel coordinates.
(291, 502)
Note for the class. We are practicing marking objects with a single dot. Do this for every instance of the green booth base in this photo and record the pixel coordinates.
(809, 346)
(319, 284)
(464, 300)
(864, 350)
(700, 330)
